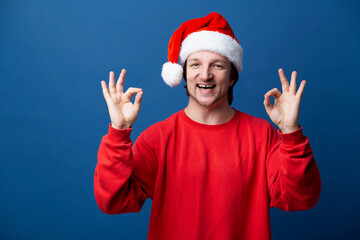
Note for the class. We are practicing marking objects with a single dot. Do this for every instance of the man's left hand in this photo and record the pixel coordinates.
(285, 111)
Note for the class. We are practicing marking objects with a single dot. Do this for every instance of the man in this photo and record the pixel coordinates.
(211, 171)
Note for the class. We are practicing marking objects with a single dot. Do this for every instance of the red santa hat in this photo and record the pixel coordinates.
(210, 33)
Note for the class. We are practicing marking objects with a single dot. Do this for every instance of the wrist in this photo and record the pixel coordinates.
(120, 126)
(285, 130)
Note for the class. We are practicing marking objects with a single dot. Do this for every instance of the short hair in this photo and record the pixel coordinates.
(234, 75)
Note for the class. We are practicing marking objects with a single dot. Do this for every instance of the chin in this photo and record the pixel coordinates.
(209, 101)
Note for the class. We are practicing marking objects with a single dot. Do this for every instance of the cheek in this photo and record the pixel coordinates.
(190, 76)
(225, 80)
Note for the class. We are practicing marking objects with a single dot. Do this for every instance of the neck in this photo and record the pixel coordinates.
(212, 115)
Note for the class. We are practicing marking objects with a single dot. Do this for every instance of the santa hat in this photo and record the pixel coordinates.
(210, 33)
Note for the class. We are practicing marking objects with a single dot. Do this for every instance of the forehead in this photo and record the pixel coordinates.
(207, 56)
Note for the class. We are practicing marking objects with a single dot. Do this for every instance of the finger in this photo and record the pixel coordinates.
(273, 92)
(267, 103)
(301, 89)
(112, 89)
(120, 82)
(284, 81)
(138, 99)
(293, 82)
(130, 92)
(105, 91)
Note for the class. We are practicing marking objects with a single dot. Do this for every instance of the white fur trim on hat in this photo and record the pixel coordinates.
(172, 73)
(212, 41)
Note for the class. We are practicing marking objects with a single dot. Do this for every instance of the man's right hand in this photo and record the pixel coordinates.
(123, 112)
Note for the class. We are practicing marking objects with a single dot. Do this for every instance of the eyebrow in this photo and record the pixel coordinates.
(214, 60)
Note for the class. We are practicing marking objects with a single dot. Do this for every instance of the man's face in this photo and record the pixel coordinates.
(208, 78)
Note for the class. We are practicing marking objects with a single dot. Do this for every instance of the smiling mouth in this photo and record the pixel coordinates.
(206, 86)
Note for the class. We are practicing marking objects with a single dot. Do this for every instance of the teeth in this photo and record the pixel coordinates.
(205, 86)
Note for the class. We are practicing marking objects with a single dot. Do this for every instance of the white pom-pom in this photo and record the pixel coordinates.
(172, 73)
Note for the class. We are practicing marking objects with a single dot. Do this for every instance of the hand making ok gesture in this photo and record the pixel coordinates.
(285, 111)
(123, 112)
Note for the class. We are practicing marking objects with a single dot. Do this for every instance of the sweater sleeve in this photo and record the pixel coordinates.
(293, 176)
(125, 174)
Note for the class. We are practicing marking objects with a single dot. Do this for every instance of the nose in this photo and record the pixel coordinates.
(205, 73)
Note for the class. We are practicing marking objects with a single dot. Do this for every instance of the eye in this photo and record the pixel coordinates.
(218, 66)
(194, 65)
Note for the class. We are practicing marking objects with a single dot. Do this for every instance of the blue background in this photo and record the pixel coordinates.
(53, 55)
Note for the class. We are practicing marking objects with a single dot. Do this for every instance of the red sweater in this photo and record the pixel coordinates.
(207, 181)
